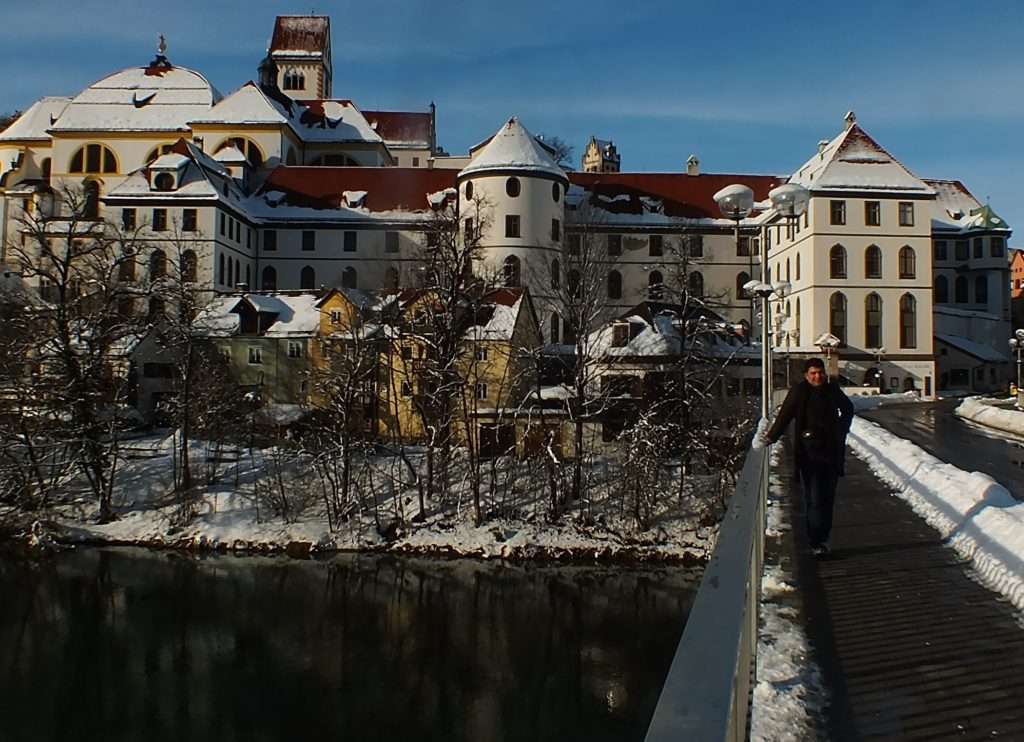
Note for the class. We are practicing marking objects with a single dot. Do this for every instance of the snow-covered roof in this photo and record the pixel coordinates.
(402, 129)
(230, 155)
(154, 98)
(513, 148)
(295, 315)
(34, 123)
(854, 161)
(301, 35)
(498, 315)
(199, 176)
(979, 350)
(247, 105)
(169, 161)
(654, 330)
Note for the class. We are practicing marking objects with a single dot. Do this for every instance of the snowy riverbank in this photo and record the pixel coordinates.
(233, 511)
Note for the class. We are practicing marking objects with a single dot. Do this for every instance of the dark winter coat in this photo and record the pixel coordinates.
(825, 444)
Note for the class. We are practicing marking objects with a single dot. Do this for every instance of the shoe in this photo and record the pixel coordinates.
(820, 550)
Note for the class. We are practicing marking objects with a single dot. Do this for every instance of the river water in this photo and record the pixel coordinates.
(122, 644)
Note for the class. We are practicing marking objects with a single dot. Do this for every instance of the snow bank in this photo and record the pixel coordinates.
(976, 515)
(983, 412)
(871, 401)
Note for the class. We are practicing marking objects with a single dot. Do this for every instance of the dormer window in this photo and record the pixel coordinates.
(163, 182)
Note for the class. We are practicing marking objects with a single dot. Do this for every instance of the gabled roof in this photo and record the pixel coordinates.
(294, 315)
(401, 128)
(387, 188)
(34, 123)
(301, 35)
(854, 161)
(200, 176)
(956, 209)
(678, 194)
(247, 105)
(154, 98)
(513, 148)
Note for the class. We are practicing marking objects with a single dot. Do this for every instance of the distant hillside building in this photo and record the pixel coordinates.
(600, 156)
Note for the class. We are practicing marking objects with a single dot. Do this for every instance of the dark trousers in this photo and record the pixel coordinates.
(819, 485)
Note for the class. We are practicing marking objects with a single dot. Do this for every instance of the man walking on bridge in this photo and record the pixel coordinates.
(822, 415)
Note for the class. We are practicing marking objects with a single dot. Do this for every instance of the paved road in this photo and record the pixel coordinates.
(935, 428)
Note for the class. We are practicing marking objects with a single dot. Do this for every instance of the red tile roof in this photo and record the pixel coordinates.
(387, 188)
(683, 195)
(308, 33)
(401, 127)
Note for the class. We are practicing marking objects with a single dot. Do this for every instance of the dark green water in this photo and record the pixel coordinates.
(131, 645)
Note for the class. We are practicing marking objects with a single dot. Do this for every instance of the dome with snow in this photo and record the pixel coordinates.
(513, 147)
(160, 97)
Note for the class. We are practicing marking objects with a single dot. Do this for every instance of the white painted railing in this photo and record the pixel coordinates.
(707, 694)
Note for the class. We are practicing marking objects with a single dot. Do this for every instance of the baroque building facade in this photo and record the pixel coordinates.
(279, 186)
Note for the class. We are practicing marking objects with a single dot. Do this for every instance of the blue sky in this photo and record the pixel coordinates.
(739, 85)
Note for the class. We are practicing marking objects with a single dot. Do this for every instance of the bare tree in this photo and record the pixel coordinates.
(561, 151)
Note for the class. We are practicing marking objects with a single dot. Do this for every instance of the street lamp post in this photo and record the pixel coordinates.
(736, 202)
(1017, 346)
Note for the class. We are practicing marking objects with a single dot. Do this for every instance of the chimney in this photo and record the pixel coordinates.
(822, 143)
(850, 118)
(692, 165)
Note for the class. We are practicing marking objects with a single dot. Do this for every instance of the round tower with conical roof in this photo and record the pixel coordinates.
(512, 201)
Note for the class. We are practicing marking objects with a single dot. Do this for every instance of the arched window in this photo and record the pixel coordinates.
(837, 316)
(247, 147)
(573, 283)
(157, 265)
(391, 278)
(294, 80)
(837, 262)
(469, 190)
(189, 266)
(554, 329)
(742, 279)
(231, 273)
(981, 290)
(614, 285)
(787, 270)
(655, 285)
(157, 309)
(91, 201)
(796, 328)
(556, 277)
(695, 283)
(160, 149)
(349, 278)
(798, 266)
(269, 282)
(960, 290)
(45, 167)
(94, 159)
(941, 290)
(873, 262)
(873, 321)
(307, 278)
(908, 321)
(512, 187)
(248, 276)
(511, 268)
(556, 192)
(908, 262)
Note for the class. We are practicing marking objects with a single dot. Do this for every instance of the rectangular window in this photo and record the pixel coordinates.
(873, 213)
(906, 213)
(391, 242)
(255, 354)
(406, 389)
(222, 223)
(128, 218)
(467, 230)
(656, 245)
(695, 245)
(940, 249)
(743, 247)
(295, 349)
(996, 249)
(481, 391)
(979, 247)
(350, 241)
(614, 244)
(188, 220)
(159, 220)
(415, 161)
(335, 316)
(837, 212)
(575, 240)
(248, 239)
(620, 335)
(308, 240)
(270, 240)
(962, 250)
(481, 354)
(556, 230)
(512, 225)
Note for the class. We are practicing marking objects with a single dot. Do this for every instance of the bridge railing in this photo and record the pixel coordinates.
(708, 689)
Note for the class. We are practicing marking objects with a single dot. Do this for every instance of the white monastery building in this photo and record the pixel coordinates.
(904, 281)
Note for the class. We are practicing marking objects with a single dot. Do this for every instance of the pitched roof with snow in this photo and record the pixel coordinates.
(513, 148)
(200, 177)
(160, 97)
(654, 332)
(34, 123)
(291, 315)
(402, 128)
(956, 209)
(301, 35)
(980, 351)
(659, 197)
(497, 315)
(853, 161)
